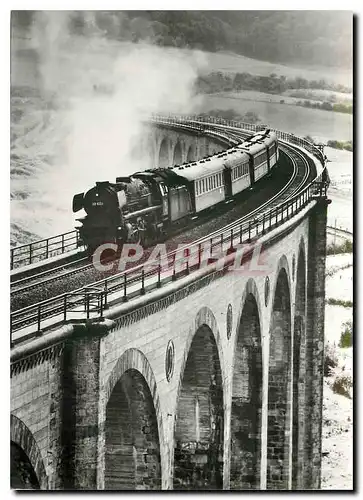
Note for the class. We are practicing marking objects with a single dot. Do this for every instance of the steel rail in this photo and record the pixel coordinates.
(69, 301)
(48, 276)
(55, 274)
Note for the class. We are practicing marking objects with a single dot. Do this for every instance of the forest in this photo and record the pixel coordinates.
(304, 37)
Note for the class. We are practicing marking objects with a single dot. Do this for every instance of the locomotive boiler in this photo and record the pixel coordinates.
(148, 205)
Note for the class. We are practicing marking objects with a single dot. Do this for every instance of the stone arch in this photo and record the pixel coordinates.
(279, 382)
(164, 153)
(199, 425)
(27, 466)
(298, 370)
(192, 153)
(177, 154)
(133, 425)
(246, 407)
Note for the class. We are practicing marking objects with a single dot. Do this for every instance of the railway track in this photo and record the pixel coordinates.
(24, 291)
(132, 282)
(47, 278)
(30, 283)
(21, 285)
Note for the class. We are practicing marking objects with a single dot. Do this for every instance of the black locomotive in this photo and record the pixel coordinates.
(148, 204)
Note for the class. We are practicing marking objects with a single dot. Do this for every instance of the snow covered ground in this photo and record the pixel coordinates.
(337, 446)
(337, 464)
(340, 166)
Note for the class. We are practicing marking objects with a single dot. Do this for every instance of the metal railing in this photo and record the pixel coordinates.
(43, 249)
(85, 302)
(291, 138)
(92, 301)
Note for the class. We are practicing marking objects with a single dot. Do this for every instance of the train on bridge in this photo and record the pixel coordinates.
(150, 204)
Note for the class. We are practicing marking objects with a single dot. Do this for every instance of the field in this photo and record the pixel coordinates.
(234, 63)
(322, 125)
(337, 465)
(62, 144)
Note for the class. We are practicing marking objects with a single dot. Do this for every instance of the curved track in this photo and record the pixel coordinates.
(24, 291)
(304, 171)
(29, 284)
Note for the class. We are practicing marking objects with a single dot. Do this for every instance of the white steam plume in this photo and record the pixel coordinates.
(100, 92)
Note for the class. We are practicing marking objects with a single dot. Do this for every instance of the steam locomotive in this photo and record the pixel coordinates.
(149, 204)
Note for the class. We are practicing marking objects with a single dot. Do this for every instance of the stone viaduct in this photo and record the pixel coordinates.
(162, 146)
(211, 382)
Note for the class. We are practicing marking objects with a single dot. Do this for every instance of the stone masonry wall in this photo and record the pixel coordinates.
(64, 398)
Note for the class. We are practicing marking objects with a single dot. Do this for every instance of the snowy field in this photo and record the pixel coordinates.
(337, 464)
(337, 445)
(340, 166)
(50, 160)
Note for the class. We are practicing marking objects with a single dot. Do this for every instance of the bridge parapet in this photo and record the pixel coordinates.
(212, 120)
(92, 301)
(43, 249)
(214, 376)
